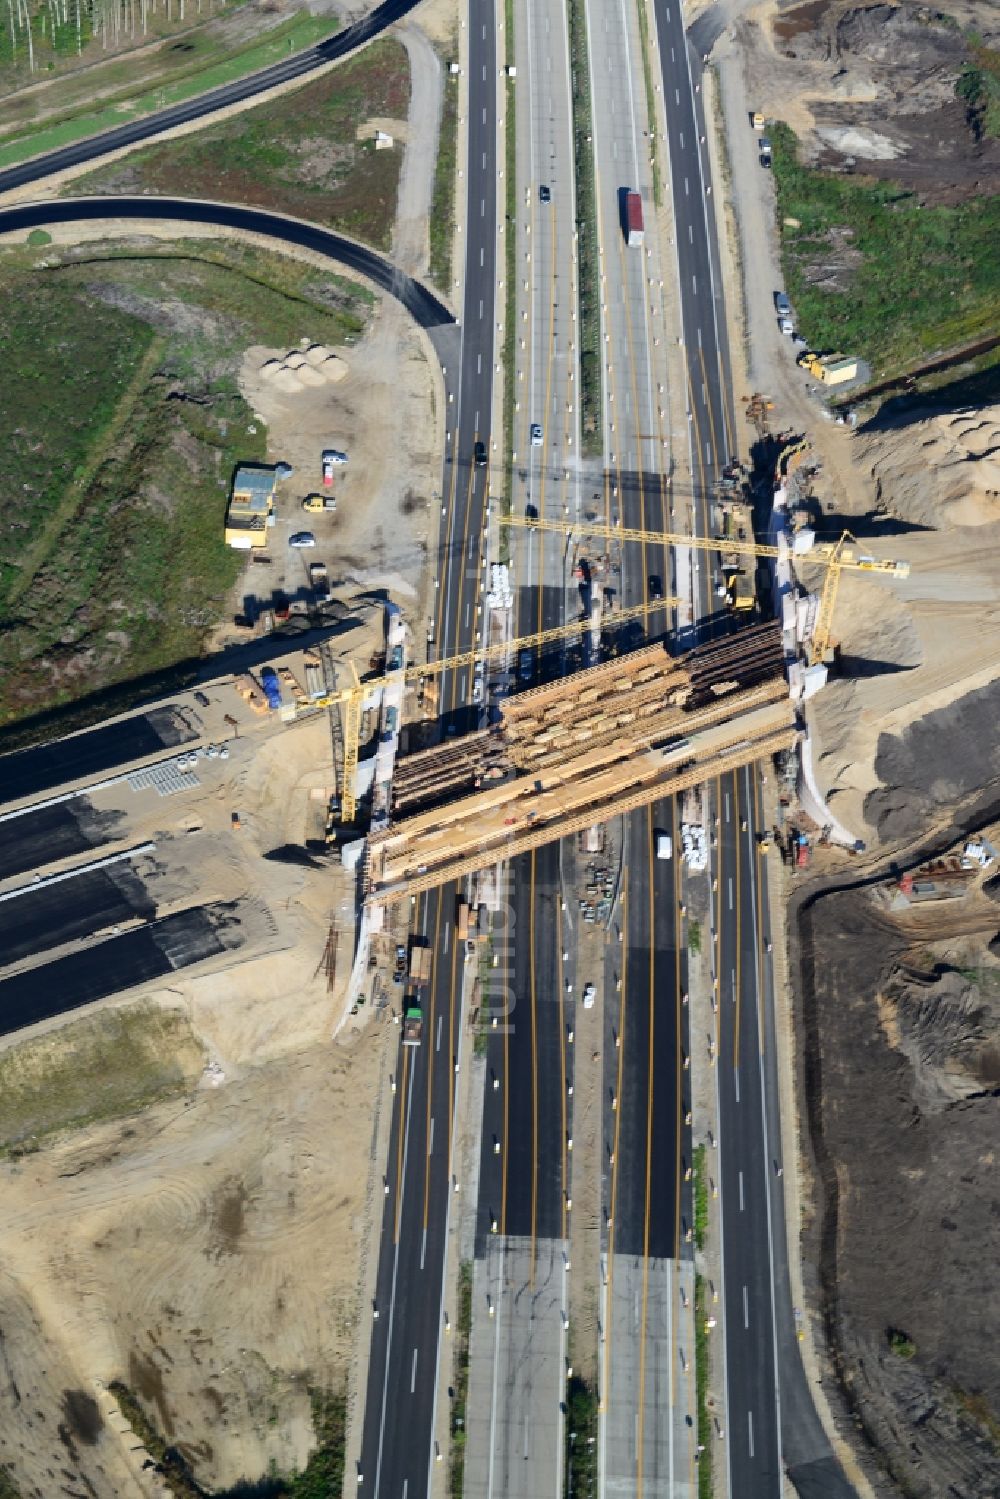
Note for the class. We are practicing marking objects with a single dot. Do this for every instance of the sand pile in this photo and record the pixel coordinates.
(915, 647)
(314, 365)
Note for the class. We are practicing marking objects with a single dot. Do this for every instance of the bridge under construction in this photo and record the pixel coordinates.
(577, 751)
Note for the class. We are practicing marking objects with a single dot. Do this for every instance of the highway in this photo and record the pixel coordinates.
(520, 1287)
(770, 1418)
(405, 1364)
(203, 106)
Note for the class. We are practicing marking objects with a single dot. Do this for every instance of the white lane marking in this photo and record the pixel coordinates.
(681, 137)
(476, 422)
(479, 364)
(730, 883)
(668, 18)
(687, 189)
(736, 1089)
(484, 169)
(437, 1046)
(484, 117)
(750, 1430)
(690, 235)
(423, 1252)
(708, 449)
(694, 284)
(727, 806)
(482, 215)
(484, 72)
(430, 1138)
(699, 338)
(413, 1373)
(447, 937)
(406, 1485)
(743, 1206)
(392, 1297)
(672, 57)
(483, 252)
(746, 1310)
(468, 607)
(677, 95)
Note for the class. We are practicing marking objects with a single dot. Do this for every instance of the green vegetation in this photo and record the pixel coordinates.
(445, 172)
(581, 1440)
(694, 936)
(510, 283)
(104, 1067)
(321, 1478)
(302, 31)
(39, 237)
(647, 74)
(979, 86)
(463, 1331)
(700, 1198)
(588, 269)
(872, 272)
(298, 154)
(8, 1488)
(125, 424)
(701, 1370)
(900, 1344)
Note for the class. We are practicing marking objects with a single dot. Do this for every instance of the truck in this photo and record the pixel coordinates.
(413, 1017)
(664, 846)
(420, 963)
(633, 219)
(272, 688)
(462, 919)
(319, 578)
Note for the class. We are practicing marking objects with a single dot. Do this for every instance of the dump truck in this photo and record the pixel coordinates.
(413, 1017)
(634, 228)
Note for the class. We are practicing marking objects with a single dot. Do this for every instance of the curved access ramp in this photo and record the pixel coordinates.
(202, 106)
(419, 301)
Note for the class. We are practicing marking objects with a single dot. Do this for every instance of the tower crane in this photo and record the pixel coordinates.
(351, 698)
(836, 557)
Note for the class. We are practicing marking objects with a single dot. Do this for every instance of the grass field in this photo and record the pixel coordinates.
(442, 231)
(873, 273)
(104, 1067)
(298, 154)
(203, 64)
(124, 425)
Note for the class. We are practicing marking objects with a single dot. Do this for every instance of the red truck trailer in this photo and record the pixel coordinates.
(633, 219)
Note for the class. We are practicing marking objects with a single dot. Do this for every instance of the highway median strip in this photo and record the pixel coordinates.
(591, 372)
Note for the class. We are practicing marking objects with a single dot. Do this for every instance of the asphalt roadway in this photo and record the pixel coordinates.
(397, 1444)
(95, 752)
(420, 302)
(203, 105)
(771, 1417)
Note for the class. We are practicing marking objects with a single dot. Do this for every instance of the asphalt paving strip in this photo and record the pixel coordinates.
(45, 767)
(136, 957)
(49, 834)
(53, 915)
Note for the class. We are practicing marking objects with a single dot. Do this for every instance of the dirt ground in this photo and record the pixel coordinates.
(872, 88)
(207, 1250)
(899, 1030)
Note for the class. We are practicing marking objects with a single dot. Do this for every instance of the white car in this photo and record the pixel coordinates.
(589, 995)
(536, 435)
(302, 539)
(334, 456)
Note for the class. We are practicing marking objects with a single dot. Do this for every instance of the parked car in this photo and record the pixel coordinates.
(786, 325)
(544, 194)
(536, 435)
(782, 306)
(302, 539)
